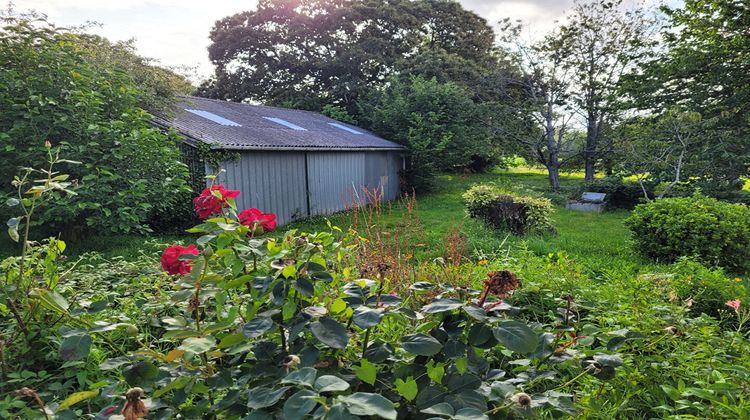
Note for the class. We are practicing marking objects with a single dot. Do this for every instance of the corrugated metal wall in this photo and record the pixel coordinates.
(382, 172)
(275, 181)
(271, 181)
(335, 180)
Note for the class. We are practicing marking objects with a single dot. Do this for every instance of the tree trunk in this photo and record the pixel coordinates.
(553, 174)
(553, 164)
(589, 152)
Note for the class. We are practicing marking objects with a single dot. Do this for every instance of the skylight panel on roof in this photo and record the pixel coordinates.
(285, 123)
(345, 128)
(213, 117)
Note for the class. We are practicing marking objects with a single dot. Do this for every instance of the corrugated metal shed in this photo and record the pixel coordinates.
(292, 163)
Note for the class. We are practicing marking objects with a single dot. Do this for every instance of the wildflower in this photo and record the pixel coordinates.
(738, 280)
(256, 219)
(171, 262)
(483, 262)
(734, 304)
(207, 204)
(521, 400)
(47, 144)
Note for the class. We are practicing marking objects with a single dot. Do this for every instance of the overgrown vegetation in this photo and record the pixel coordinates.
(713, 231)
(392, 310)
(364, 322)
(56, 85)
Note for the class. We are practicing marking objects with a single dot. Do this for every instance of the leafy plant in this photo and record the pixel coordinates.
(712, 231)
(506, 210)
(57, 86)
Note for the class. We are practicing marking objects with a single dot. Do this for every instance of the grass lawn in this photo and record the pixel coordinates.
(598, 241)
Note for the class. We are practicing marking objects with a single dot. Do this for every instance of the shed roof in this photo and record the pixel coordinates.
(238, 126)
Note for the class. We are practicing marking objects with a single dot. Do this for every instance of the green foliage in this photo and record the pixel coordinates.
(338, 113)
(158, 87)
(438, 122)
(505, 210)
(52, 87)
(605, 327)
(712, 231)
(336, 52)
(621, 193)
(707, 289)
(696, 69)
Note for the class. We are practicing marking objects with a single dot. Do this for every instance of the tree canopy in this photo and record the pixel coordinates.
(311, 53)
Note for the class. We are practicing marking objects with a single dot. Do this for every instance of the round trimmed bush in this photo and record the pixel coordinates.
(712, 231)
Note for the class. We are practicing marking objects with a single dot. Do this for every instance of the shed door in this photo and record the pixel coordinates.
(335, 180)
(274, 182)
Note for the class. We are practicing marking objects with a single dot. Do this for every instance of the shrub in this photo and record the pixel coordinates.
(438, 122)
(504, 210)
(707, 289)
(621, 194)
(712, 231)
(53, 87)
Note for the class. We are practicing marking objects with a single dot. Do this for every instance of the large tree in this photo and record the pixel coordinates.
(537, 112)
(441, 125)
(705, 68)
(602, 41)
(310, 53)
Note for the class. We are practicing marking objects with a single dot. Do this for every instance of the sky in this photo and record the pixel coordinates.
(175, 32)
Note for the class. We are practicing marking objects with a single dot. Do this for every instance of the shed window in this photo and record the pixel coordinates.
(285, 123)
(345, 128)
(213, 117)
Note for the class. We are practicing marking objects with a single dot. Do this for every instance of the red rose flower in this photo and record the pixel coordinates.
(254, 217)
(170, 259)
(207, 204)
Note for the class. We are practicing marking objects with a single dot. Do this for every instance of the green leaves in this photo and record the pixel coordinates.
(13, 223)
(421, 344)
(367, 404)
(442, 305)
(257, 327)
(262, 397)
(366, 371)
(365, 317)
(198, 345)
(76, 398)
(75, 347)
(407, 389)
(304, 376)
(516, 336)
(330, 383)
(299, 404)
(141, 374)
(330, 332)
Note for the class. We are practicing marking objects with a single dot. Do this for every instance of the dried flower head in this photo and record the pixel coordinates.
(291, 361)
(521, 400)
(499, 283)
(134, 408)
